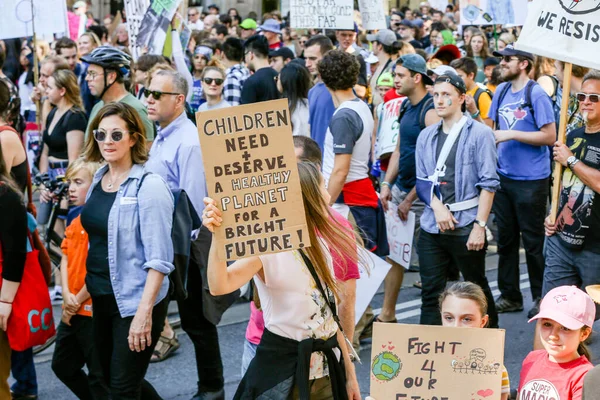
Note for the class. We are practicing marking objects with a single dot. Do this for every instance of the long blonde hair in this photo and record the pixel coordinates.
(66, 79)
(322, 226)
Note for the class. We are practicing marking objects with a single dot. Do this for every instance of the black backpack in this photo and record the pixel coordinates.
(185, 220)
(423, 114)
(526, 104)
(481, 91)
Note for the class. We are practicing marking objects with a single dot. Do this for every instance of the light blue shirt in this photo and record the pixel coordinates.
(475, 167)
(139, 236)
(176, 156)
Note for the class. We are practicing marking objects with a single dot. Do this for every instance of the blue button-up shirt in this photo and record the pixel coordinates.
(475, 169)
(176, 156)
(139, 236)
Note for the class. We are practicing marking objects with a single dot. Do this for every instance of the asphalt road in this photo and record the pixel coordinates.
(176, 378)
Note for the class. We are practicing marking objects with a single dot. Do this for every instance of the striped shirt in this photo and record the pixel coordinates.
(234, 81)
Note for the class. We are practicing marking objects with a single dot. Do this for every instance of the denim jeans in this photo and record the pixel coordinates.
(74, 349)
(248, 355)
(569, 267)
(438, 256)
(23, 370)
(123, 370)
(520, 210)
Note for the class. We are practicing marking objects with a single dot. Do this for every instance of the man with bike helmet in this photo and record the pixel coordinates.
(108, 69)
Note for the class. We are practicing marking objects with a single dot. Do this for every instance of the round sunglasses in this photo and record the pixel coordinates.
(100, 135)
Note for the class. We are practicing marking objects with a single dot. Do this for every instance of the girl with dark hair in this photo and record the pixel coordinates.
(293, 83)
(298, 315)
(25, 82)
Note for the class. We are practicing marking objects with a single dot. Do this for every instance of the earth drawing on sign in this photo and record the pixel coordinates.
(386, 366)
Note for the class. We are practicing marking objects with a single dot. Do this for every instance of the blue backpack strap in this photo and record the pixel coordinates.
(500, 98)
(528, 104)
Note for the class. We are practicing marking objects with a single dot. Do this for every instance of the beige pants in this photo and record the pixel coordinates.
(4, 366)
(319, 389)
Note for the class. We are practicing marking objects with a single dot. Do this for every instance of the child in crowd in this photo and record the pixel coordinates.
(463, 304)
(74, 349)
(566, 316)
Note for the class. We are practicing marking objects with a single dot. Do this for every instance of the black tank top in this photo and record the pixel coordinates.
(19, 174)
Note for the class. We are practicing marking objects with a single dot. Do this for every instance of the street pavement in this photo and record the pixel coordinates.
(176, 377)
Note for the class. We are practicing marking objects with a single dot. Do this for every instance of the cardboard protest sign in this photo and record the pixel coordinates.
(565, 30)
(17, 20)
(400, 235)
(371, 277)
(373, 16)
(420, 362)
(322, 14)
(155, 24)
(252, 173)
(489, 12)
(388, 129)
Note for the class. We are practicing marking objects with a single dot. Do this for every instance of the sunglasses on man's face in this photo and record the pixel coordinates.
(157, 94)
(594, 98)
(192, 15)
(100, 135)
(217, 81)
(508, 59)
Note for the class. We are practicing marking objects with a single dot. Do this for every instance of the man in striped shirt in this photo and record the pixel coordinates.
(236, 73)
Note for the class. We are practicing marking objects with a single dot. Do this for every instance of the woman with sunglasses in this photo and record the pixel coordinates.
(212, 86)
(128, 218)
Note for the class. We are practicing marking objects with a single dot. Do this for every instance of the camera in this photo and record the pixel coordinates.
(58, 186)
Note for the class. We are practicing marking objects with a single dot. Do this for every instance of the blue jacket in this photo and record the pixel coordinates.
(139, 236)
(475, 169)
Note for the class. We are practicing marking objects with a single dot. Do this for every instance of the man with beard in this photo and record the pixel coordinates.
(525, 127)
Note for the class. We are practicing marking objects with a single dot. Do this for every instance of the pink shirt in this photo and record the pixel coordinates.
(256, 324)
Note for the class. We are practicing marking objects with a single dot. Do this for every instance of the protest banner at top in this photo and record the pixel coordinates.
(322, 14)
(251, 172)
(439, 4)
(16, 20)
(565, 30)
(373, 16)
(135, 10)
(433, 362)
(155, 24)
(490, 12)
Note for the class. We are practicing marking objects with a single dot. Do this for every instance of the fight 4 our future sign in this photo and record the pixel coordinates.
(566, 30)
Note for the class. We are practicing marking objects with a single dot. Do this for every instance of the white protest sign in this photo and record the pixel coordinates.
(565, 30)
(135, 10)
(439, 4)
(369, 282)
(372, 14)
(322, 14)
(16, 19)
(400, 235)
(490, 12)
(389, 127)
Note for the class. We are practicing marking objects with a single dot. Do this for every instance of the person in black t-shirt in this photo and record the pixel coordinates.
(572, 248)
(261, 85)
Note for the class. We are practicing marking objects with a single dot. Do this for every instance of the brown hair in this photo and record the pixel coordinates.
(466, 290)
(66, 79)
(582, 349)
(339, 239)
(212, 68)
(93, 38)
(127, 113)
(485, 49)
(58, 61)
(578, 71)
(542, 66)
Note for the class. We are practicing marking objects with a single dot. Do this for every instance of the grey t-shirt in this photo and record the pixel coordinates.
(206, 107)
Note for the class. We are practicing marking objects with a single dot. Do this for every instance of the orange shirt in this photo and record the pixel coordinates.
(75, 248)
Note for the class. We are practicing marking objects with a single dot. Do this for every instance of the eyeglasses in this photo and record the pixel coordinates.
(508, 59)
(92, 75)
(157, 93)
(217, 81)
(100, 135)
(192, 15)
(594, 98)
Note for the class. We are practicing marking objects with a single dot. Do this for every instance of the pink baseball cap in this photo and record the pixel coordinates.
(569, 306)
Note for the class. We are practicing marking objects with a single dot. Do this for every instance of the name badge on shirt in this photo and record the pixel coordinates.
(128, 200)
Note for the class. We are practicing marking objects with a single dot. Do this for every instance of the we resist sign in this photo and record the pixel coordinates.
(251, 172)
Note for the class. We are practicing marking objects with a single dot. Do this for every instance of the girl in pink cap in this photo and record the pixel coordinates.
(556, 372)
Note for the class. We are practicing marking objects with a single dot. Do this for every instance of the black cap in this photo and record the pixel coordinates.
(454, 80)
(284, 52)
(216, 7)
(490, 61)
(510, 50)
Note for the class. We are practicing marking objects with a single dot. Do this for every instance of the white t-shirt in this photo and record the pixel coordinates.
(293, 306)
(206, 107)
(300, 124)
(349, 132)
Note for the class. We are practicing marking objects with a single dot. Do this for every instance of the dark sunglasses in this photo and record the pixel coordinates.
(157, 93)
(594, 98)
(508, 59)
(101, 135)
(209, 81)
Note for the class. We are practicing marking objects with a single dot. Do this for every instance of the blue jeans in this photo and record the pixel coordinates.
(248, 355)
(569, 267)
(23, 370)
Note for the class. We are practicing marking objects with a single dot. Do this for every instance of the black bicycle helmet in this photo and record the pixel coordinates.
(109, 57)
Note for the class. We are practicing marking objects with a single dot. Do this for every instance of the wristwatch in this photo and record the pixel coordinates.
(571, 161)
(482, 224)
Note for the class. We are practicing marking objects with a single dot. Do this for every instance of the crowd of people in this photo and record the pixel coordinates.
(449, 122)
